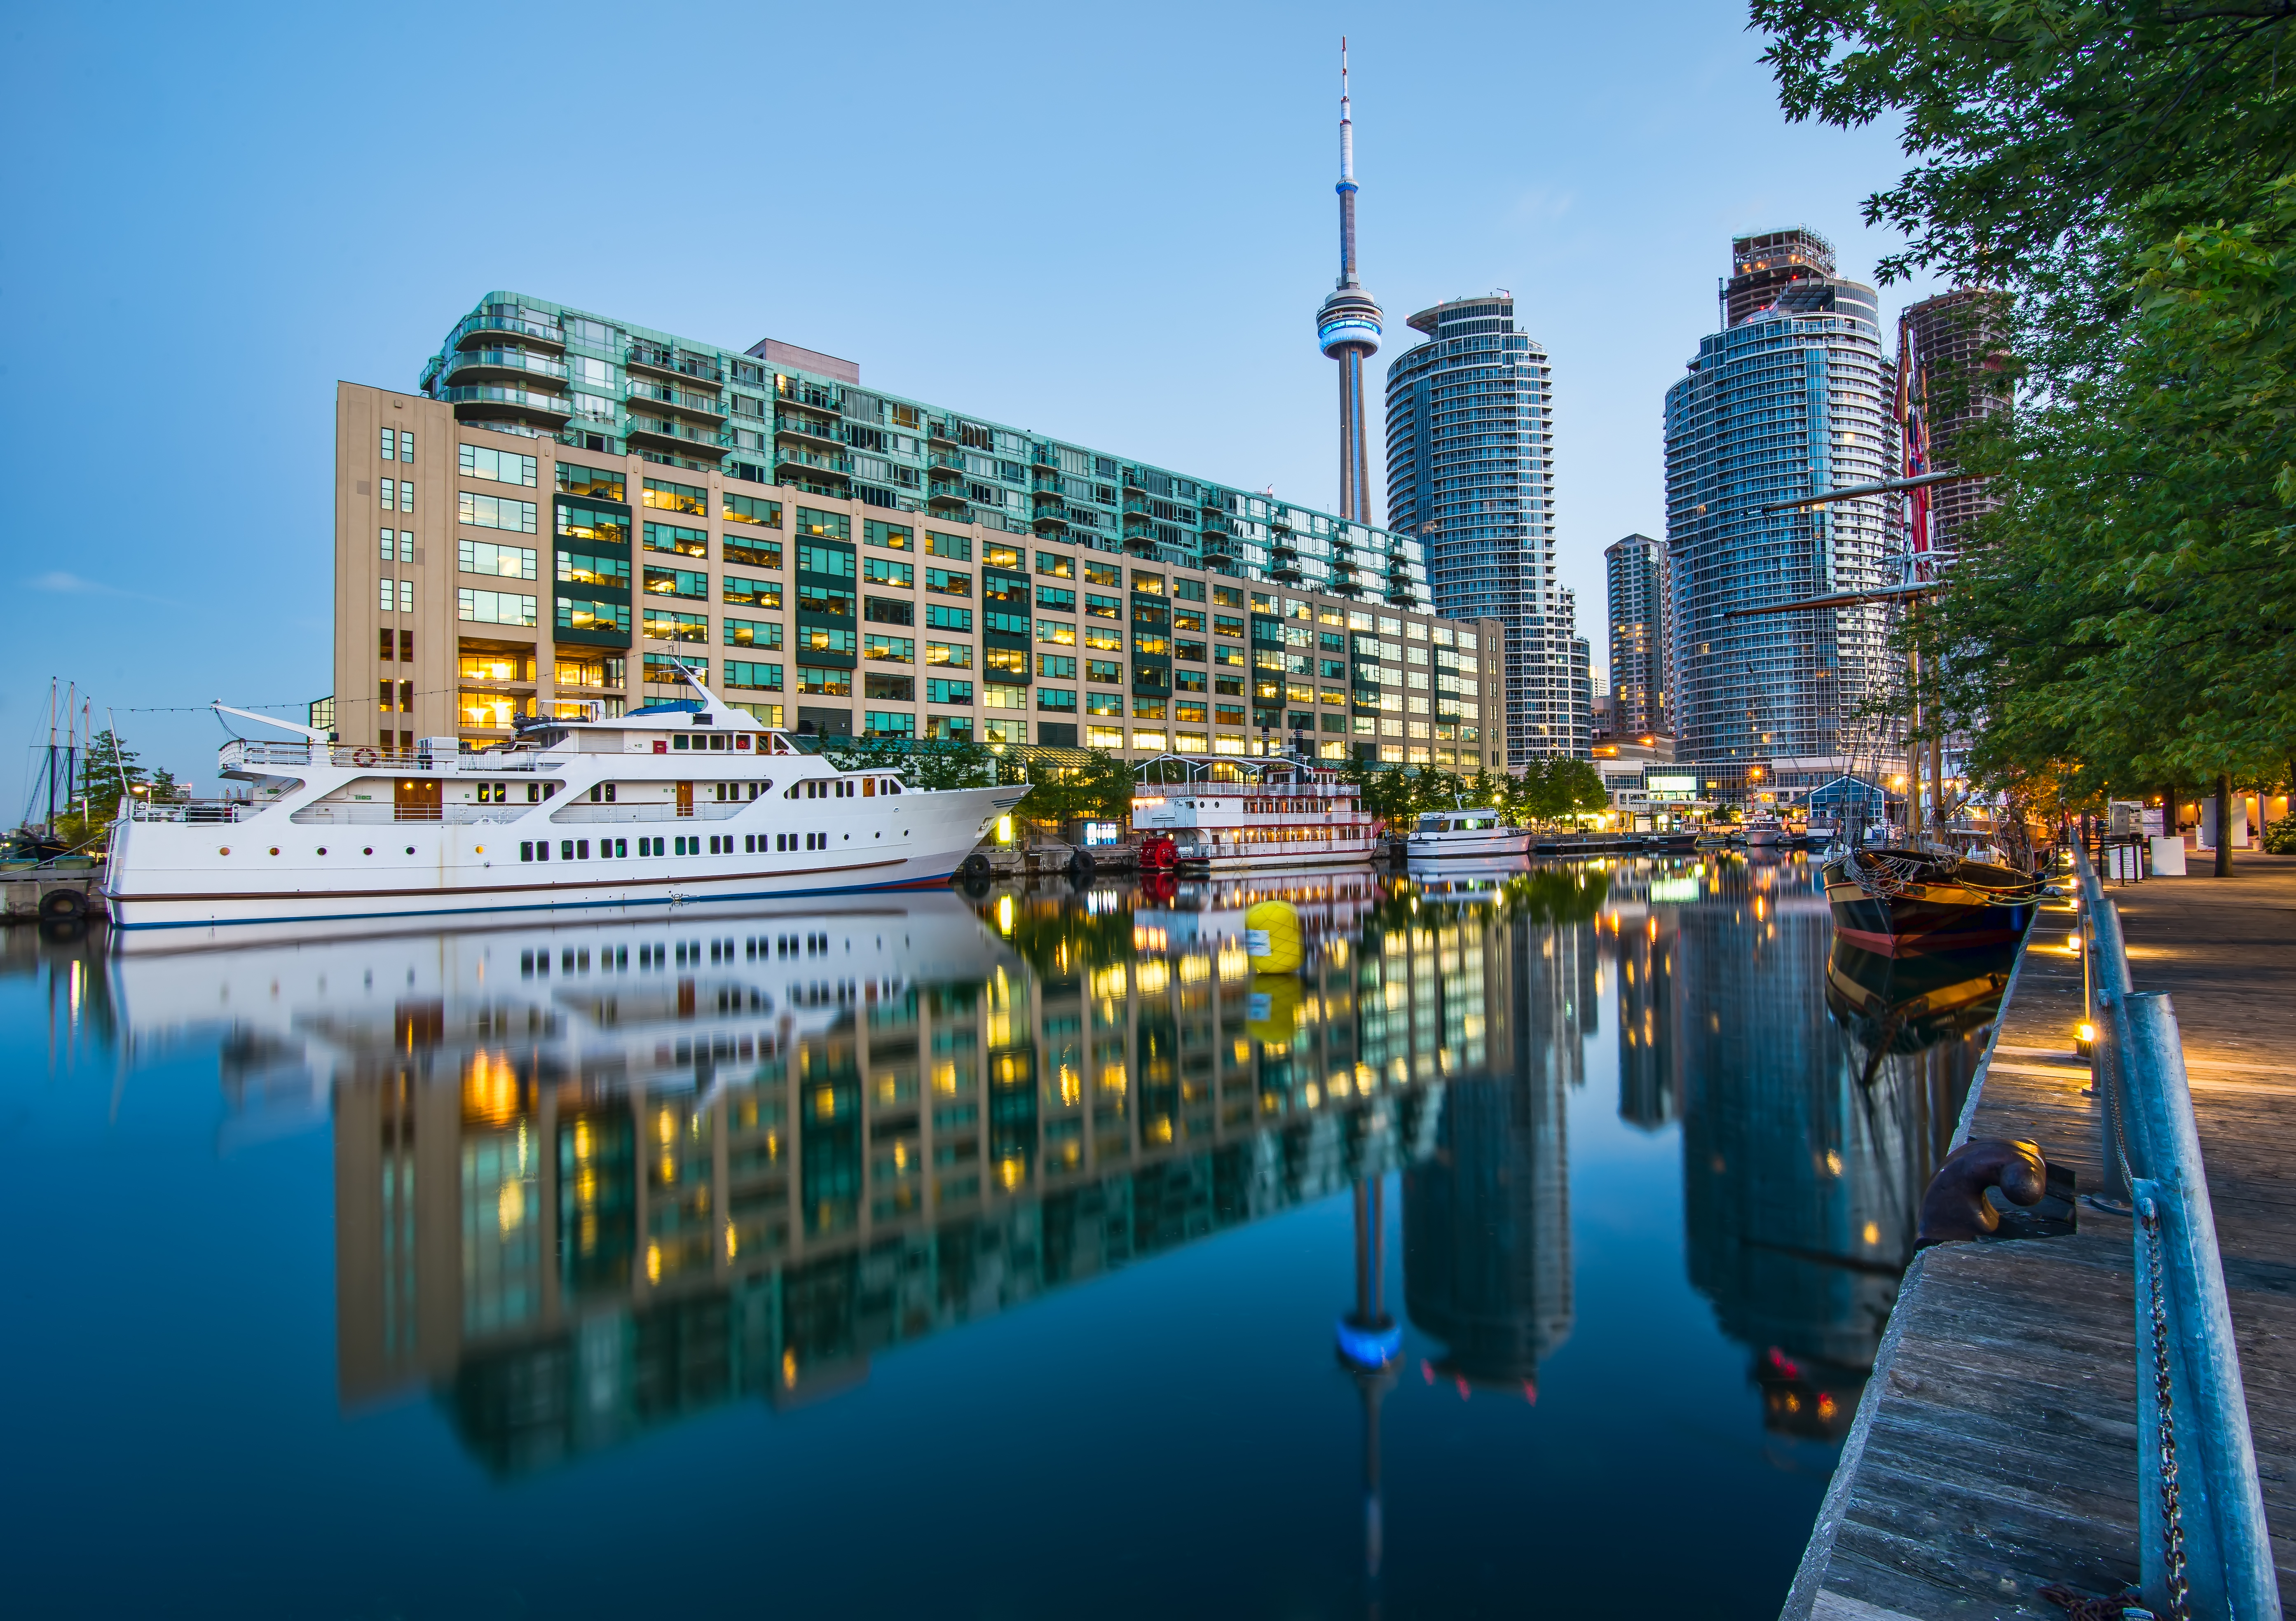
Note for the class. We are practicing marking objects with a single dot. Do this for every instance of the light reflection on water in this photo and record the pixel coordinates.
(1017, 1253)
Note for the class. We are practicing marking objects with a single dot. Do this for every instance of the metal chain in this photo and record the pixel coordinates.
(2180, 1606)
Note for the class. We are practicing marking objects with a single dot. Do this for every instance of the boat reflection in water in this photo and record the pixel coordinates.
(1819, 1086)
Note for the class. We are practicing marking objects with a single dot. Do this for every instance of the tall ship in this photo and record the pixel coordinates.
(670, 804)
(1281, 814)
(1897, 902)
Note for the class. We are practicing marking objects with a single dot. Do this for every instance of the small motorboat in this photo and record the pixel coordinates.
(1482, 831)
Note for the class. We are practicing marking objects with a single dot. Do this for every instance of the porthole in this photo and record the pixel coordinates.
(410, 849)
(322, 849)
(368, 851)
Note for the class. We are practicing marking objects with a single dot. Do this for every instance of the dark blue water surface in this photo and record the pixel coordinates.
(1012, 1255)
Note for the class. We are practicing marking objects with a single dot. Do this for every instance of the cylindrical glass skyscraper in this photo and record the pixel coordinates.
(1791, 399)
(1471, 472)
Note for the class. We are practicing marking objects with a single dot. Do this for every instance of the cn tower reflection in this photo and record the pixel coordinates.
(1370, 1344)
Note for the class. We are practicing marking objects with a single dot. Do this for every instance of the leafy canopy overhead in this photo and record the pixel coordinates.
(2126, 619)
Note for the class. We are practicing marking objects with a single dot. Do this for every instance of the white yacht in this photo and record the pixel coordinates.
(1482, 831)
(1764, 828)
(666, 806)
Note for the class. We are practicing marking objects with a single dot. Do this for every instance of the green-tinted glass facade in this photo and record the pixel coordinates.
(521, 365)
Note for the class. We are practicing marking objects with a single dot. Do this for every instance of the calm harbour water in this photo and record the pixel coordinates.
(986, 1256)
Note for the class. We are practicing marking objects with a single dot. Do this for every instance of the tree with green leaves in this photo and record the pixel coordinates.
(1100, 789)
(1388, 791)
(2124, 621)
(108, 773)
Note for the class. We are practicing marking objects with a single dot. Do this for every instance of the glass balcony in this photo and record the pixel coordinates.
(482, 331)
(491, 403)
(952, 460)
(803, 426)
(470, 367)
(785, 455)
(703, 405)
(672, 434)
(673, 363)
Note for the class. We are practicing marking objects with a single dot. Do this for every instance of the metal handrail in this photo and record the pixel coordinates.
(2205, 1547)
(702, 810)
(448, 815)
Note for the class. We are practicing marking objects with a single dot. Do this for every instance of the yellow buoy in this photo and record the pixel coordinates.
(1272, 938)
(1271, 1017)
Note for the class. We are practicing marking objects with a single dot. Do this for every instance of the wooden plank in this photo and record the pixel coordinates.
(1995, 1450)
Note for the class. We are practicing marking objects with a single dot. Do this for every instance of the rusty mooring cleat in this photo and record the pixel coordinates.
(1954, 1207)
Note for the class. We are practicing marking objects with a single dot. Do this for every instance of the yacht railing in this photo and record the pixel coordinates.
(703, 810)
(242, 752)
(377, 815)
(2204, 1550)
(193, 810)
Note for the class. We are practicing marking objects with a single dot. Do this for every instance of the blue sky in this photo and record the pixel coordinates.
(1109, 224)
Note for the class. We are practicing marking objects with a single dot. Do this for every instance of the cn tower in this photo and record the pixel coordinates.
(1347, 328)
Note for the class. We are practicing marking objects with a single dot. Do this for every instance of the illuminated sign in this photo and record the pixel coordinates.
(1672, 788)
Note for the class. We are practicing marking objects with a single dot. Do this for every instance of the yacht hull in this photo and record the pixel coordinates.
(270, 869)
(1498, 843)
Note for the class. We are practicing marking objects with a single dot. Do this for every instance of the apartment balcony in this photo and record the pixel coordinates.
(486, 331)
(940, 430)
(949, 461)
(1045, 456)
(467, 367)
(668, 433)
(706, 407)
(1132, 480)
(795, 391)
(1051, 521)
(790, 424)
(820, 460)
(1046, 484)
(672, 363)
(492, 404)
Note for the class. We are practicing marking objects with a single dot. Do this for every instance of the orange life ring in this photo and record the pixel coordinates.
(363, 757)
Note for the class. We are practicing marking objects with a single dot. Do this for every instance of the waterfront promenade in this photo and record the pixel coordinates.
(1995, 1452)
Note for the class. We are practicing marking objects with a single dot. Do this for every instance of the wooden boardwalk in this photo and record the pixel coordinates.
(1995, 1451)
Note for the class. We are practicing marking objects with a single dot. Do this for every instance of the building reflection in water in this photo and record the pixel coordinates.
(1810, 1127)
(1486, 1218)
(593, 1176)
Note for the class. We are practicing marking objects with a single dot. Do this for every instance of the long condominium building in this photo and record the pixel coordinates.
(1470, 473)
(1788, 401)
(568, 514)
